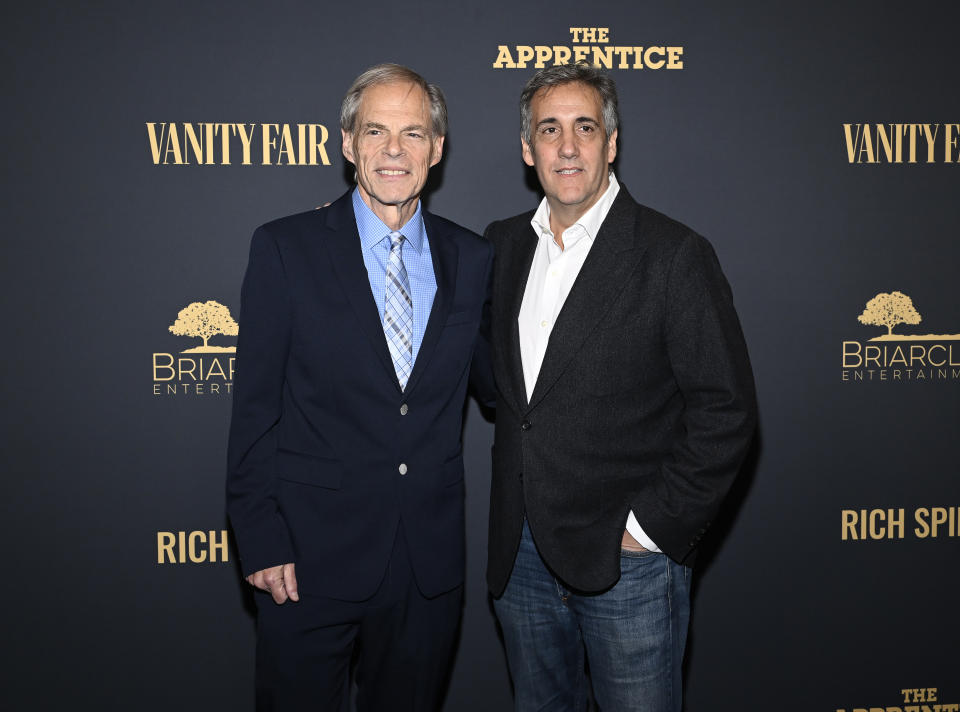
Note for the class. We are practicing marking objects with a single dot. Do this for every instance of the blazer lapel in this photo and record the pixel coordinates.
(522, 246)
(601, 279)
(347, 259)
(445, 257)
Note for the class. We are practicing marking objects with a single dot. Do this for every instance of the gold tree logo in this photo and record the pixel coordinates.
(205, 320)
(925, 357)
(893, 309)
(889, 310)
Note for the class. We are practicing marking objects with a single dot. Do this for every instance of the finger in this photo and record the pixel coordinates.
(256, 580)
(279, 592)
(275, 584)
(290, 581)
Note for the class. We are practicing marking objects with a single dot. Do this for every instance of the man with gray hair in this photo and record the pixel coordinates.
(361, 325)
(625, 408)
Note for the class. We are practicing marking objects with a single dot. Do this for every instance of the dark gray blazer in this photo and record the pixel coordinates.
(645, 399)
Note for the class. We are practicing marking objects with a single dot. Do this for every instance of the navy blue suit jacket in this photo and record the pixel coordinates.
(320, 426)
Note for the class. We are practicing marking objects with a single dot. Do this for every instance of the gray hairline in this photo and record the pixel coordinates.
(388, 74)
(559, 75)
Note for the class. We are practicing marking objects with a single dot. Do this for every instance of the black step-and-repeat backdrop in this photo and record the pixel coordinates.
(817, 145)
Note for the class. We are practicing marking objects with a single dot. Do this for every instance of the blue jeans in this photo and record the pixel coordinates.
(633, 636)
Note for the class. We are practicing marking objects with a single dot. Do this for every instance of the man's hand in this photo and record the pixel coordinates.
(279, 581)
(629, 543)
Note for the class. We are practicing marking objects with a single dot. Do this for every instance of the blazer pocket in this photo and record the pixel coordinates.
(309, 470)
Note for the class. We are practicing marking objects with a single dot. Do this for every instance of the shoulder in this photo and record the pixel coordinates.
(667, 243)
(465, 239)
(290, 226)
(293, 236)
(669, 236)
(286, 240)
(686, 260)
(508, 228)
(655, 223)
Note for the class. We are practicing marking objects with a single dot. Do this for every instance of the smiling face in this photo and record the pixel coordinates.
(392, 146)
(569, 150)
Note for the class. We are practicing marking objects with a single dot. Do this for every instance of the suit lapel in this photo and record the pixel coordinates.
(345, 251)
(445, 257)
(601, 279)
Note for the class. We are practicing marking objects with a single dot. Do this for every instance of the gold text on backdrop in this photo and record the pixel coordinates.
(196, 547)
(876, 524)
(912, 699)
(901, 143)
(591, 44)
(225, 144)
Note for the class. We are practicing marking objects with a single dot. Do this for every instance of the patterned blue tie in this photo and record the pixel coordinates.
(398, 312)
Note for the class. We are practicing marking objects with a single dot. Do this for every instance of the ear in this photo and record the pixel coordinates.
(612, 146)
(437, 152)
(527, 151)
(347, 146)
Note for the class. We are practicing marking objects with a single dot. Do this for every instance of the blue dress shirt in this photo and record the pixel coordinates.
(375, 244)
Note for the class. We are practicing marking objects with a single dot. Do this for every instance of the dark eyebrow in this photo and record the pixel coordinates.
(578, 120)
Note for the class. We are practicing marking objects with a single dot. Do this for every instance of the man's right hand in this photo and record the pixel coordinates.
(279, 581)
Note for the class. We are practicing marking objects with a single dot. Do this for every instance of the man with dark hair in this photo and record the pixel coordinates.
(625, 408)
(360, 326)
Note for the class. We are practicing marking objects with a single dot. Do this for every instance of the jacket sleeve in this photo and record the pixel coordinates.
(481, 368)
(708, 357)
(262, 348)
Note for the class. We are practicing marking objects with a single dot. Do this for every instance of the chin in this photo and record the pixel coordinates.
(396, 192)
(575, 199)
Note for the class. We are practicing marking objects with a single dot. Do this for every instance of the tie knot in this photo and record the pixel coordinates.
(396, 240)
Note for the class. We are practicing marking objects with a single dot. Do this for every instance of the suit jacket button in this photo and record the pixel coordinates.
(404, 409)
(525, 425)
(403, 468)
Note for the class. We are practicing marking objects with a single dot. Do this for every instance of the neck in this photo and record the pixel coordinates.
(563, 216)
(393, 215)
(558, 226)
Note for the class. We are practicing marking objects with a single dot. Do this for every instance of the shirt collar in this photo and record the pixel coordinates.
(590, 221)
(373, 230)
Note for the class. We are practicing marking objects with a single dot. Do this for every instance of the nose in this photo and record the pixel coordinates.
(568, 146)
(393, 148)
